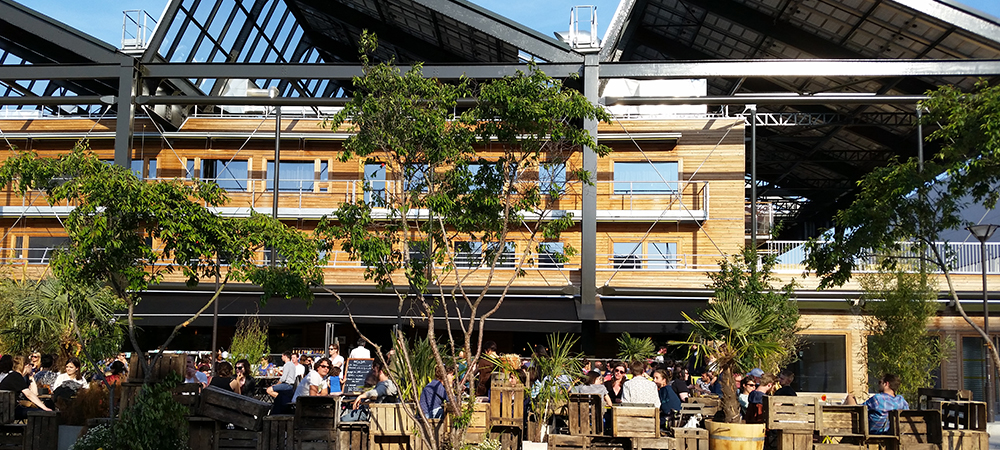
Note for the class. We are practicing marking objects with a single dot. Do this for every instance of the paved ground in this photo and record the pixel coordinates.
(994, 430)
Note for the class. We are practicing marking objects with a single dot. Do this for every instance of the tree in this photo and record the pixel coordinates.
(897, 307)
(469, 194)
(249, 342)
(749, 276)
(128, 234)
(902, 209)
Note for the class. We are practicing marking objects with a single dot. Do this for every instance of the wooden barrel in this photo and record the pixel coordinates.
(734, 436)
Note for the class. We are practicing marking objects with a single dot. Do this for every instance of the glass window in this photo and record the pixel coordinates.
(189, 169)
(297, 176)
(41, 248)
(550, 255)
(415, 177)
(645, 178)
(627, 256)
(417, 251)
(973, 371)
(150, 166)
(468, 254)
(508, 255)
(661, 255)
(552, 178)
(229, 175)
(822, 364)
(375, 184)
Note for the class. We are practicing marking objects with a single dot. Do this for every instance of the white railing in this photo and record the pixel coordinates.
(963, 257)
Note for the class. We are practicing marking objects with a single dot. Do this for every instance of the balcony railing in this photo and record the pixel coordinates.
(963, 257)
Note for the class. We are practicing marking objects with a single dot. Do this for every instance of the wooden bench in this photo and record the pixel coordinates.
(230, 407)
(635, 421)
(843, 421)
(586, 414)
(966, 415)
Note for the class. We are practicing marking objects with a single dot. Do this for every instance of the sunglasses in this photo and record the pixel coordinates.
(619, 371)
(750, 384)
(240, 367)
(324, 366)
(35, 356)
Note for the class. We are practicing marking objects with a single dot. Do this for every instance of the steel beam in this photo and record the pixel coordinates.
(590, 305)
(45, 29)
(769, 100)
(802, 68)
(342, 71)
(958, 15)
(127, 83)
(58, 100)
(59, 71)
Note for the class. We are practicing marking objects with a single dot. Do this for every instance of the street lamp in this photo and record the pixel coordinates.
(983, 233)
(272, 92)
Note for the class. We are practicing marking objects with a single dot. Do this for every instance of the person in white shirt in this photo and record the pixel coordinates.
(317, 383)
(360, 352)
(335, 358)
(640, 389)
(289, 374)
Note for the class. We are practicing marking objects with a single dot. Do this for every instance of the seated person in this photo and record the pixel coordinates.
(335, 385)
(224, 378)
(385, 391)
(881, 403)
(435, 394)
(594, 385)
(287, 381)
(755, 401)
(670, 402)
(14, 382)
(316, 382)
(785, 379)
(640, 389)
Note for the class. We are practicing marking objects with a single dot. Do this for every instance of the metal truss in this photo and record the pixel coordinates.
(797, 119)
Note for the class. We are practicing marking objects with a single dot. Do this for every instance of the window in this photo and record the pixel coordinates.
(415, 177)
(508, 255)
(973, 370)
(375, 184)
(822, 364)
(295, 176)
(637, 178)
(417, 252)
(661, 255)
(189, 169)
(552, 178)
(229, 175)
(468, 254)
(550, 255)
(150, 166)
(267, 255)
(627, 256)
(40, 248)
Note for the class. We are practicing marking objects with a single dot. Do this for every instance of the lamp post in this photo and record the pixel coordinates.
(983, 233)
(272, 92)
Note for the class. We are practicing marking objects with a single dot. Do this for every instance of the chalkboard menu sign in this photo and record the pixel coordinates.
(356, 372)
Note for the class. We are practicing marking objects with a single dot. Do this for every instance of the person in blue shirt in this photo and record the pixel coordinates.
(670, 402)
(434, 396)
(881, 403)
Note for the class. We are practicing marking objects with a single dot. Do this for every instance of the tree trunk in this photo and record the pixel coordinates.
(730, 398)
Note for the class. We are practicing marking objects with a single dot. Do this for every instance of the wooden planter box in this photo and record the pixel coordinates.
(230, 407)
(278, 433)
(392, 419)
(964, 415)
(506, 404)
(8, 401)
(42, 431)
(964, 440)
(635, 421)
(792, 413)
(586, 414)
(843, 421)
(691, 438)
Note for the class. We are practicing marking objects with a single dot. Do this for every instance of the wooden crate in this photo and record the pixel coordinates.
(42, 430)
(709, 405)
(916, 429)
(315, 423)
(350, 436)
(230, 407)
(12, 436)
(167, 364)
(226, 439)
(567, 442)
(506, 404)
(689, 410)
(964, 440)
(480, 418)
(126, 395)
(437, 428)
(278, 433)
(691, 438)
(509, 437)
(966, 415)
(794, 439)
(882, 442)
(586, 414)
(189, 395)
(201, 433)
(609, 443)
(843, 420)
(635, 421)
(392, 419)
(8, 401)
(661, 443)
(838, 447)
(791, 413)
(932, 398)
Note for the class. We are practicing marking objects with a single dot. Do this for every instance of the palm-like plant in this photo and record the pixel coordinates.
(558, 372)
(635, 348)
(737, 338)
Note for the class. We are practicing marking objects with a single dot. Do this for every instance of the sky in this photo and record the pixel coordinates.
(103, 18)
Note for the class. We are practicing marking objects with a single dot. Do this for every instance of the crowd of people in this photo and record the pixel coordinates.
(41, 385)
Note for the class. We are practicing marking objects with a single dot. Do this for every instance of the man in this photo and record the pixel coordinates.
(669, 401)
(385, 391)
(881, 403)
(755, 401)
(317, 382)
(640, 389)
(435, 394)
(360, 352)
(288, 374)
(484, 369)
(785, 379)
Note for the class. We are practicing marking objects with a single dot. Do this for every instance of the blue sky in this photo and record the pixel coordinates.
(103, 18)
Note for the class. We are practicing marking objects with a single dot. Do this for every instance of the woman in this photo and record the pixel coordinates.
(594, 385)
(749, 385)
(247, 384)
(117, 373)
(224, 378)
(72, 379)
(614, 386)
(680, 383)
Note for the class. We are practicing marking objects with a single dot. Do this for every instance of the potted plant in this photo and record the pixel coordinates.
(556, 370)
(736, 336)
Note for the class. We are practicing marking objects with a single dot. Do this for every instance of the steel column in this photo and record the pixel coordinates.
(127, 82)
(589, 310)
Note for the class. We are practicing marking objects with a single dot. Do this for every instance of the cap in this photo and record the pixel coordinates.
(756, 372)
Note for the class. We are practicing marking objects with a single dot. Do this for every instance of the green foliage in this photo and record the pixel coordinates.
(422, 364)
(249, 342)
(154, 422)
(902, 203)
(557, 372)
(635, 348)
(741, 277)
(117, 218)
(897, 308)
(733, 333)
(37, 315)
